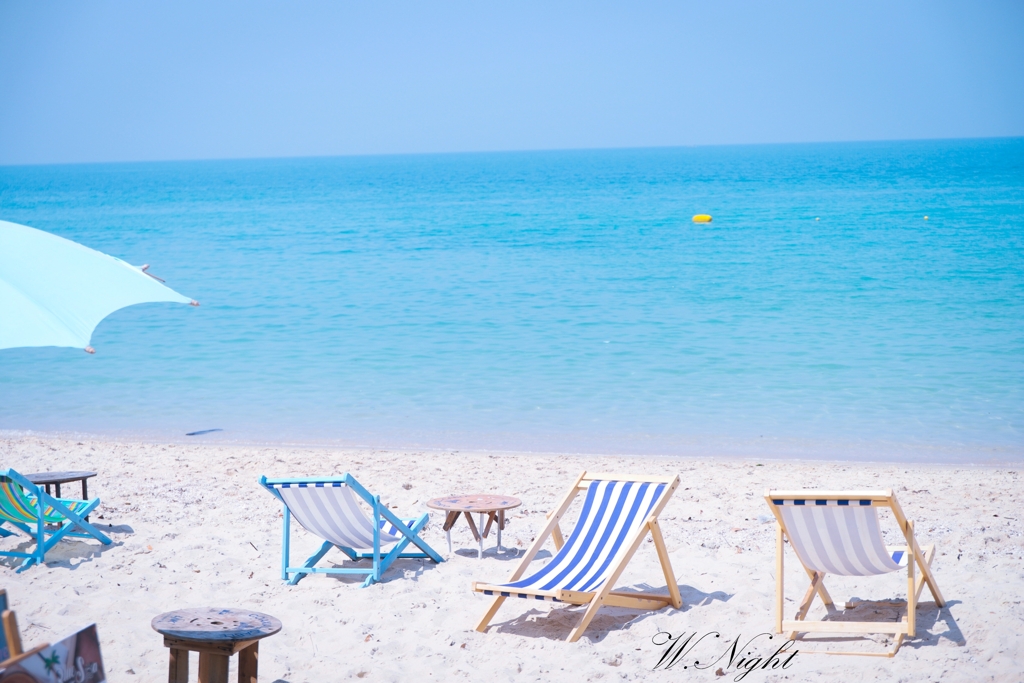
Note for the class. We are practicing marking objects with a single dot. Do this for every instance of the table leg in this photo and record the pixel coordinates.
(490, 521)
(481, 555)
(85, 492)
(449, 522)
(472, 526)
(501, 523)
(247, 662)
(450, 519)
(178, 672)
(58, 490)
(46, 487)
(213, 668)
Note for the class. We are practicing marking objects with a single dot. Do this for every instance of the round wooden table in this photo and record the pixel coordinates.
(216, 634)
(482, 503)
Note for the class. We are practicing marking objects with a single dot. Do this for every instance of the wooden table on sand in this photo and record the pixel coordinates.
(493, 506)
(48, 479)
(215, 634)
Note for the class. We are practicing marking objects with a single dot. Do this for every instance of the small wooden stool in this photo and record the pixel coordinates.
(215, 634)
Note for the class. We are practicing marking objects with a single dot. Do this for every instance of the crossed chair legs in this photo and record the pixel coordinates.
(917, 559)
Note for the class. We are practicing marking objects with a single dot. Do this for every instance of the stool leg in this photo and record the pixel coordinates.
(213, 668)
(178, 672)
(248, 659)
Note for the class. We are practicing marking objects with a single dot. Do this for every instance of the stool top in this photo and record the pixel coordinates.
(216, 624)
(477, 502)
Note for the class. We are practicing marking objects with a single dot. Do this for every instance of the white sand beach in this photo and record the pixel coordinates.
(192, 528)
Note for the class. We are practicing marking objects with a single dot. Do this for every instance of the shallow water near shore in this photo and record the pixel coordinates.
(553, 301)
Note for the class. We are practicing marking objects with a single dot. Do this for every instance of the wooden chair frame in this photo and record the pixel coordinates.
(11, 634)
(605, 595)
(918, 560)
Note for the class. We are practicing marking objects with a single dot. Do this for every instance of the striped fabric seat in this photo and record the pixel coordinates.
(838, 537)
(17, 505)
(333, 509)
(612, 510)
(29, 509)
(330, 510)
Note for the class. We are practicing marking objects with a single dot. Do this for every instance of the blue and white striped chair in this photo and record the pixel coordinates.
(330, 509)
(617, 513)
(837, 532)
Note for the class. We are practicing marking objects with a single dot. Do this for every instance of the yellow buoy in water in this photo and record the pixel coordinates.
(926, 217)
(702, 218)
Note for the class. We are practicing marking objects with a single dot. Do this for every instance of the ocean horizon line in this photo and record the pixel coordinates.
(524, 150)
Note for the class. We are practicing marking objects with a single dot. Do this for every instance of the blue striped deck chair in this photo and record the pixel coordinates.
(328, 507)
(29, 509)
(617, 513)
(838, 532)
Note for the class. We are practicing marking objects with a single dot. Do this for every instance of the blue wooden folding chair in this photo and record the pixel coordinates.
(31, 510)
(328, 508)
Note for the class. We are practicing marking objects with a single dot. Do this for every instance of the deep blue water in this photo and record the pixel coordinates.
(553, 300)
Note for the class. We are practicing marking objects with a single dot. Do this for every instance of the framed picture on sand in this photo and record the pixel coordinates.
(75, 658)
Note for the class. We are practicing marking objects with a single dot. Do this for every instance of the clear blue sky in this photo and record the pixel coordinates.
(108, 81)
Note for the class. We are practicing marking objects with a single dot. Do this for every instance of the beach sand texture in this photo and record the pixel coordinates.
(192, 528)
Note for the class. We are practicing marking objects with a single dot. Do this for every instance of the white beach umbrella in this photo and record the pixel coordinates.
(54, 292)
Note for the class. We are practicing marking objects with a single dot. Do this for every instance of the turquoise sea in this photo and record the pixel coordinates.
(553, 301)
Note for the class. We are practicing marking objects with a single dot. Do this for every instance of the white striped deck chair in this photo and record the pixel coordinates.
(837, 532)
(330, 509)
(617, 513)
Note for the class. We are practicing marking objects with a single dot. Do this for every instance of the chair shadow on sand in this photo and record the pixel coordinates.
(928, 617)
(70, 553)
(401, 569)
(504, 555)
(552, 624)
